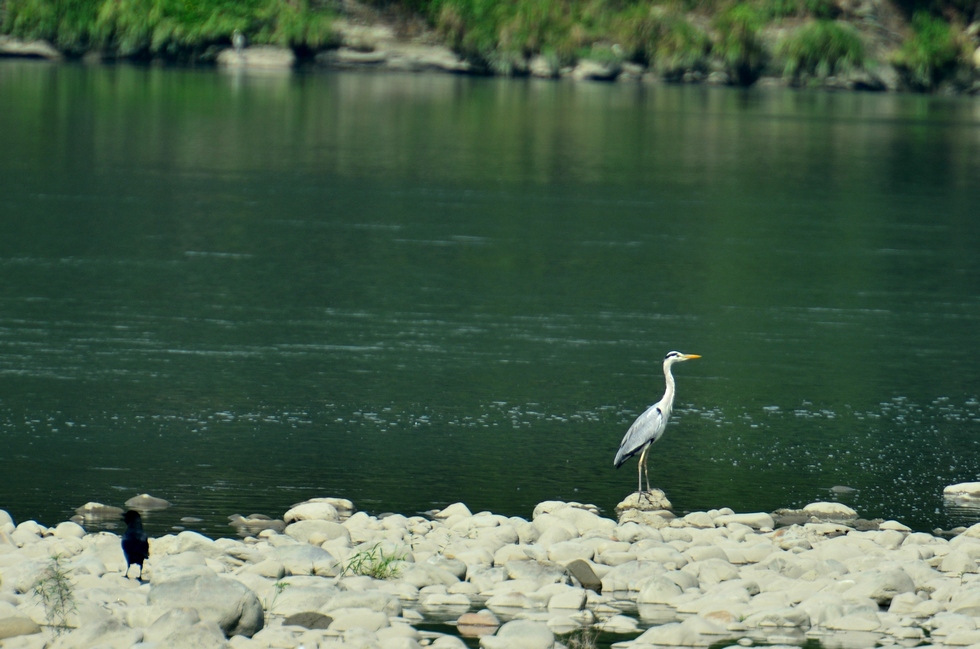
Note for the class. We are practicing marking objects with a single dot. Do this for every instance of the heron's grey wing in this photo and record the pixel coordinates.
(648, 427)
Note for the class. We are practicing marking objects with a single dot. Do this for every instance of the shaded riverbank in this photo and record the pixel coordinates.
(870, 45)
(326, 574)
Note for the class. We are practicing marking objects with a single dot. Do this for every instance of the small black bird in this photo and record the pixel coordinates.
(134, 543)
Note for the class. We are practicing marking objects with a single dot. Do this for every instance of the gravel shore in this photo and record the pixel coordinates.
(324, 575)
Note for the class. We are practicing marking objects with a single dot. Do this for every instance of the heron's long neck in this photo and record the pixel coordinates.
(668, 400)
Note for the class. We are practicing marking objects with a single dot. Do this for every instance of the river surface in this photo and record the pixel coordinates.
(240, 292)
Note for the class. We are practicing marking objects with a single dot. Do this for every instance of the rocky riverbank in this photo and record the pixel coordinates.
(325, 575)
(834, 44)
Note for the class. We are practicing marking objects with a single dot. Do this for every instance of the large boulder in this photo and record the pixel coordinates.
(591, 70)
(305, 559)
(107, 633)
(30, 49)
(231, 604)
(369, 599)
(314, 530)
(294, 599)
(694, 631)
(421, 575)
(542, 572)
(203, 635)
(631, 576)
(262, 56)
(312, 511)
(520, 634)
(830, 511)
(963, 490)
(186, 541)
(174, 620)
(658, 590)
(757, 520)
(880, 585)
(14, 623)
(147, 503)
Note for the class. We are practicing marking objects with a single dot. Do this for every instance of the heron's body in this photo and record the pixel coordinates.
(650, 426)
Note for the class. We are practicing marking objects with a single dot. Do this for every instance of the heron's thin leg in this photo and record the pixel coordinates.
(645, 472)
(639, 470)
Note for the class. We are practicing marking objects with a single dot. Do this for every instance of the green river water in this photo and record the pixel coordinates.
(239, 292)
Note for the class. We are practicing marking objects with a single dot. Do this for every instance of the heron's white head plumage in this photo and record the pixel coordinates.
(676, 357)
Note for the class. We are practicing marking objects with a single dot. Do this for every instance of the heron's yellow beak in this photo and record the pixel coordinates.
(688, 357)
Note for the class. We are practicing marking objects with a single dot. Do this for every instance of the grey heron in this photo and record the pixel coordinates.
(238, 42)
(649, 427)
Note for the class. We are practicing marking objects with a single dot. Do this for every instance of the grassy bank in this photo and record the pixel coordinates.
(927, 44)
(167, 28)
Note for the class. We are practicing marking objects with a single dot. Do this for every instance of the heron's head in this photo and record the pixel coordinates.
(677, 357)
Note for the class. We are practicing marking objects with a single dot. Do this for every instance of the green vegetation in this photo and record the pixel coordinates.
(664, 39)
(931, 55)
(775, 9)
(586, 637)
(57, 593)
(670, 37)
(476, 28)
(280, 586)
(174, 28)
(738, 44)
(373, 563)
(820, 49)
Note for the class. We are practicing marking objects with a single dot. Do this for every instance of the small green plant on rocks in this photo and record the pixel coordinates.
(373, 563)
(278, 587)
(821, 48)
(57, 593)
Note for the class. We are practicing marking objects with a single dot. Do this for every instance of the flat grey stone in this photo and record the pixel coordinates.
(584, 574)
(308, 620)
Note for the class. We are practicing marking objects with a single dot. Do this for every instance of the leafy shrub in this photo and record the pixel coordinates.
(65, 23)
(738, 43)
(931, 54)
(663, 39)
(470, 28)
(822, 48)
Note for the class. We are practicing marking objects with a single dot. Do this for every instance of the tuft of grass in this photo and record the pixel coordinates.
(663, 39)
(57, 593)
(819, 9)
(738, 44)
(279, 586)
(821, 48)
(586, 637)
(373, 563)
(931, 54)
